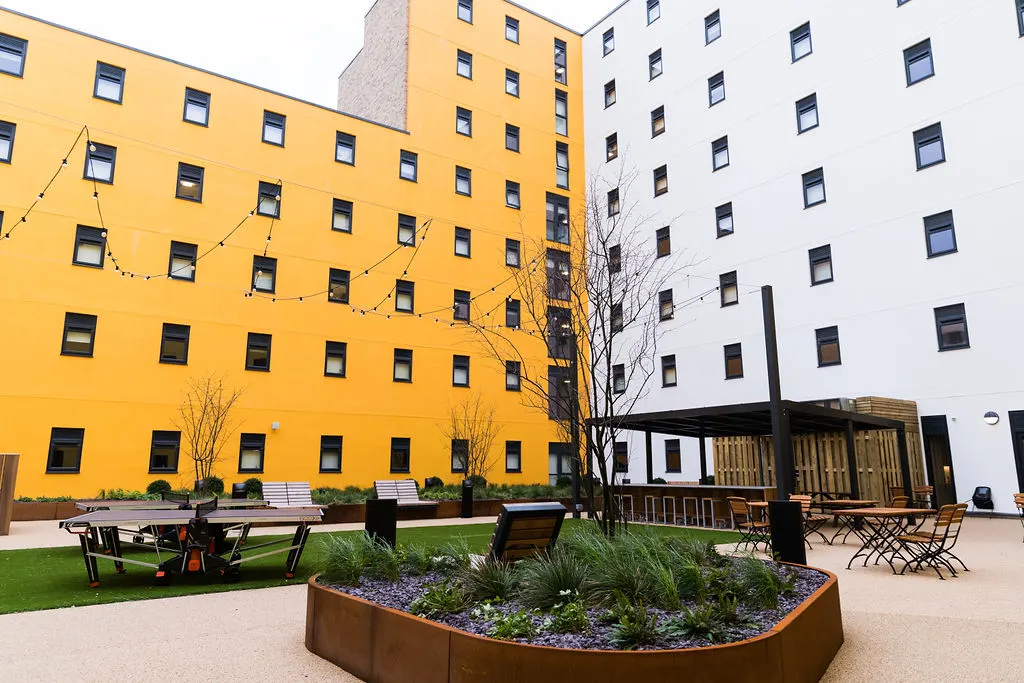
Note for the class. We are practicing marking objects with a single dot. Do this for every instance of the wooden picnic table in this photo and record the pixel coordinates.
(880, 532)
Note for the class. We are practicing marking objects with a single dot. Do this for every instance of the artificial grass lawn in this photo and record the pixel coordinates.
(47, 578)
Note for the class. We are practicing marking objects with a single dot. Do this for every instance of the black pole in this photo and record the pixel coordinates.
(703, 457)
(851, 461)
(650, 458)
(785, 472)
(901, 443)
(590, 473)
(574, 435)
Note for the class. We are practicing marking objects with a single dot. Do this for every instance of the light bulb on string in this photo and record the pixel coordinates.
(64, 163)
(40, 195)
(300, 299)
(277, 197)
(103, 234)
(92, 147)
(222, 244)
(268, 239)
(96, 195)
(250, 214)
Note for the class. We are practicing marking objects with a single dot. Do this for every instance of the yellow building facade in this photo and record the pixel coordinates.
(106, 323)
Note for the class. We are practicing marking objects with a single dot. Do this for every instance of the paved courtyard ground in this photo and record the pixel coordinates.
(898, 628)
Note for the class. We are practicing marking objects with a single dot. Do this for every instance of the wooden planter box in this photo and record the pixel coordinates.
(33, 512)
(446, 509)
(381, 645)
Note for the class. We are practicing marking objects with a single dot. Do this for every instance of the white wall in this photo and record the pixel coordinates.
(885, 287)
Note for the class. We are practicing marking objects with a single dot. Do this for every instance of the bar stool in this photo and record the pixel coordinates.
(705, 504)
(696, 509)
(664, 510)
(621, 499)
(651, 513)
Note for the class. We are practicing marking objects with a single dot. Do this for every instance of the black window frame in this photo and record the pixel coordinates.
(464, 116)
(674, 450)
(558, 395)
(803, 106)
(817, 256)
(464, 9)
(916, 53)
(657, 115)
(261, 265)
(342, 207)
(513, 189)
(610, 96)
(407, 158)
(619, 373)
(517, 451)
(614, 259)
(263, 191)
(463, 59)
(8, 131)
(344, 140)
(662, 237)
(556, 207)
(668, 363)
(561, 62)
(713, 19)
(620, 456)
(954, 313)
(102, 152)
(182, 251)
(928, 136)
(562, 98)
(733, 352)
(608, 42)
(460, 305)
(252, 442)
(714, 82)
(96, 237)
(466, 174)
(935, 224)
(512, 78)
(653, 6)
(613, 202)
(558, 283)
(561, 170)
(513, 24)
(336, 349)
(1020, 17)
(401, 447)
(78, 322)
(513, 313)
(170, 333)
(16, 46)
(512, 247)
(726, 281)
(338, 277)
(617, 321)
(273, 120)
(560, 343)
(721, 212)
(163, 438)
(199, 99)
(660, 173)
(463, 236)
(257, 341)
(655, 58)
(401, 357)
(826, 336)
(111, 74)
(190, 173)
(611, 147)
(717, 147)
(513, 369)
(408, 223)
(67, 436)
(797, 35)
(331, 444)
(665, 302)
(809, 180)
(405, 288)
(460, 455)
(460, 362)
(512, 138)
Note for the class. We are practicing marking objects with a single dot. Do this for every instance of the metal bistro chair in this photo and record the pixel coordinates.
(812, 522)
(752, 531)
(934, 548)
(1018, 500)
(900, 502)
(923, 495)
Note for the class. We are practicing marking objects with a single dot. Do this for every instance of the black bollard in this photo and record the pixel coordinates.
(382, 519)
(787, 525)
(467, 499)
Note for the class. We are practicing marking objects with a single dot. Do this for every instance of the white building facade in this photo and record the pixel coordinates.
(866, 159)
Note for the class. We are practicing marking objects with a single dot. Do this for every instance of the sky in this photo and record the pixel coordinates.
(298, 51)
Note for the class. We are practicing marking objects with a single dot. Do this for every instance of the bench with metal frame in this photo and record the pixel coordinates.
(402, 490)
(525, 529)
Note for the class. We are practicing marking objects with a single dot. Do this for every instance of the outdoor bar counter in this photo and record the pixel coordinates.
(706, 505)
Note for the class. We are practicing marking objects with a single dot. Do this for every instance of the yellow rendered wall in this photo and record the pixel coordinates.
(122, 393)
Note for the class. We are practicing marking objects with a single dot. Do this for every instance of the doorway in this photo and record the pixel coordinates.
(939, 458)
(1017, 430)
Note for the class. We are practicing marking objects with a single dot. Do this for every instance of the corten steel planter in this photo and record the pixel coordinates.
(31, 512)
(382, 645)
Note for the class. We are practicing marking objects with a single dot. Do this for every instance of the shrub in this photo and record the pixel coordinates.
(212, 485)
(253, 488)
(544, 579)
(344, 559)
(124, 494)
(761, 585)
(157, 487)
(489, 580)
(658, 480)
(381, 561)
(568, 616)
(700, 622)
(506, 626)
(438, 600)
(433, 482)
(635, 626)
(628, 567)
(451, 557)
(478, 481)
(693, 550)
(563, 481)
(417, 560)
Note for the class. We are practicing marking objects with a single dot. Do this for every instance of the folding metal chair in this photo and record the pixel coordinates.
(935, 548)
(751, 531)
(812, 522)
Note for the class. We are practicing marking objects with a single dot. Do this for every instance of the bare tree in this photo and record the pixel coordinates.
(594, 302)
(472, 427)
(205, 421)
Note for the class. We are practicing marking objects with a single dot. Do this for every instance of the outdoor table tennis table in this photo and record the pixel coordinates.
(222, 503)
(187, 541)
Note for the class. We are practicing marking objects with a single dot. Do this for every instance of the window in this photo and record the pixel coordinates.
(163, 451)
(814, 187)
(613, 202)
(463, 181)
(464, 122)
(460, 308)
(918, 60)
(560, 340)
(330, 454)
(403, 365)
(190, 182)
(79, 335)
(264, 274)
(511, 83)
(559, 393)
(6, 141)
(407, 165)
(463, 242)
(460, 455)
(466, 11)
(562, 165)
(341, 216)
(460, 371)
(257, 352)
(928, 143)
(174, 344)
(939, 234)
(951, 325)
(611, 146)
(337, 286)
(464, 64)
(608, 42)
(109, 83)
(513, 456)
(621, 451)
(807, 113)
(12, 55)
(663, 241)
(827, 339)
(712, 27)
(511, 137)
(618, 378)
(560, 52)
(99, 162)
(655, 66)
(345, 149)
(668, 371)
(716, 88)
(729, 291)
(182, 263)
(512, 313)
(512, 29)
(800, 41)
(821, 264)
(657, 122)
(723, 219)
(720, 153)
(405, 296)
(406, 230)
(617, 322)
(673, 456)
(251, 449)
(1020, 20)
(512, 253)
(197, 107)
(666, 309)
(558, 274)
(557, 216)
(400, 448)
(653, 11)
(269, 200)
(561, 113)
(65, 453)
(512, 194)
(90, 246)
(660, 180)
(609, 93)
(513, 381)
(273, 128)
(335, 359)
(733, 361)
(615, 259)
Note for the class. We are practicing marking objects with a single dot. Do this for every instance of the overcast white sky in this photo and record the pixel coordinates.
(297, 47)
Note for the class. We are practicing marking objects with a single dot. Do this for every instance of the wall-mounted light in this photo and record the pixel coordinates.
(991, 417)
(275, 426)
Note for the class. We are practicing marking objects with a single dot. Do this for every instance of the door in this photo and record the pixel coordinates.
(1017, 430)
(938, 458)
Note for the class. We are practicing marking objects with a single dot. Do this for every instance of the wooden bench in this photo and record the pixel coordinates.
(404, 491)
(288, 494)
(525, 529)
